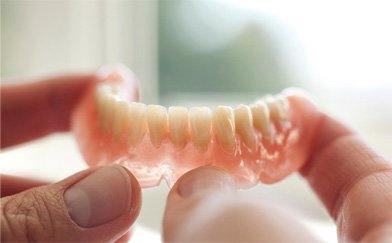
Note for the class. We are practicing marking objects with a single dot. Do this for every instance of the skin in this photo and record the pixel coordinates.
(35, 210)
(353, 182)
(351, 179)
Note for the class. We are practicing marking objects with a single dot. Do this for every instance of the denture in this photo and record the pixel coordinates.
(264, 141)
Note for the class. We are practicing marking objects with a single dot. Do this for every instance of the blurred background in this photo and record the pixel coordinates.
(209, 52)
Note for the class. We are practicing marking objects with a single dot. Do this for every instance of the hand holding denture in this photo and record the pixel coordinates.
(265, 142)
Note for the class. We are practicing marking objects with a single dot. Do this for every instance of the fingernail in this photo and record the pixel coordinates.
(207, 178)
(100, 197)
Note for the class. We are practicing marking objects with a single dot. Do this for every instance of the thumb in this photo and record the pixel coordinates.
(194, 202)
(95, 204)
(203, 206)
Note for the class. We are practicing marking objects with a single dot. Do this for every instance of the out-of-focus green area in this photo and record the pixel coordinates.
(245, 61)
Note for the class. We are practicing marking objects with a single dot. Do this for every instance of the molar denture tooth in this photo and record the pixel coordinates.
(261, 118)
(278, 107)
(285, 106)
(178, 123)
(115, 89)
(157, 123)
(101, 94)
(118, 91)
(120, 108)
(106, 89)
(137, 122)
(99, 100)
(109, 102)
(224, 127)
(244, 125)
(200, 125)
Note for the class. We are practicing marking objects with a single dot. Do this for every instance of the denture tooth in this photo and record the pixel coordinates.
(224, 127)
(261, 118)
(107, 112)
(244, 125)
(120, 108)
(178, 123)
(137, 122)
(100, 98)
(200, 124)
(278, 107)
(157, 123)
(285, 106)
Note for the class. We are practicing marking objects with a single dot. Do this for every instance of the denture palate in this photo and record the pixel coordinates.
(198, 124)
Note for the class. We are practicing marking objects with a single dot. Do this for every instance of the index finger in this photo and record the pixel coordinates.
(35, 109)
(351, 179)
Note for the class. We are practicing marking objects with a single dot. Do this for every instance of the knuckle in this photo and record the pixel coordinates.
(29, 216)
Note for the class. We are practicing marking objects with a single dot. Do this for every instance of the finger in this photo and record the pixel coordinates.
(203, 207)
(351, 179)
(12, 184)
(185, 198)
(124, 238)
(94, 205)
(35, 109)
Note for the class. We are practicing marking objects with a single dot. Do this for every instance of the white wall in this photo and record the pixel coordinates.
(39, 37)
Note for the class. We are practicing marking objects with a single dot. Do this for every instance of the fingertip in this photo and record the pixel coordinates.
(296, 91)
(136, 202)
(205, 179)
(104, 202)
(124, 238)
(188, 200)
(379, 234)
(99, 204)
(310, 109)
(90, 201)
(338, 168)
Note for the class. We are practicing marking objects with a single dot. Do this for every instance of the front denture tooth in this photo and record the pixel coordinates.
(120, 108)
(278, 106)
(178, 123)
(200, 124)
(157, 123)
(261, 118)
(224, 127)
(137, 122)
(244, 125)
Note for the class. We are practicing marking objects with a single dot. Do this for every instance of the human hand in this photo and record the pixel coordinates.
(83, 207)
(353, 182)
